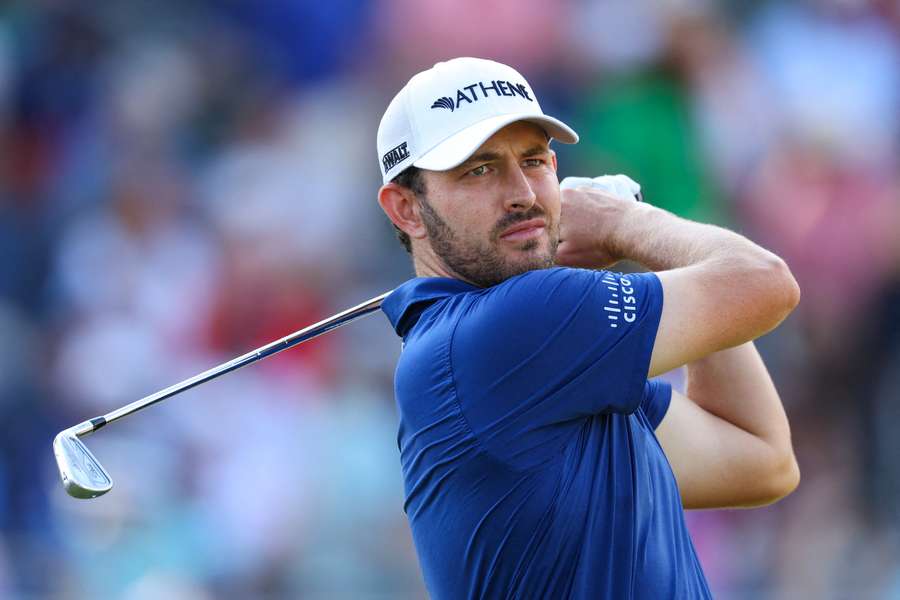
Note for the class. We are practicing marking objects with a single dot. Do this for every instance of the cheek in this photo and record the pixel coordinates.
(549, 195)
(469, 217)
(481, 224)
(476, 214)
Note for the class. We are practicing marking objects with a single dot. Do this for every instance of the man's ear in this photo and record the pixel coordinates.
(553, 159)
(402, 208)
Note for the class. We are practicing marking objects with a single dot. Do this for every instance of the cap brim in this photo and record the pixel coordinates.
(454, 150)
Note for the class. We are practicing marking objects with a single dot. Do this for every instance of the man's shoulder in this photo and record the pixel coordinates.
(526, 300)
(529, 307)
(537, 289)
(523, 306)
(538, 276)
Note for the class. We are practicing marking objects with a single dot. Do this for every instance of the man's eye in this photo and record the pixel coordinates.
(479, 171)
(534, 162)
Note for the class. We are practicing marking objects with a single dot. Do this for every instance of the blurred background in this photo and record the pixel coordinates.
(181, 182)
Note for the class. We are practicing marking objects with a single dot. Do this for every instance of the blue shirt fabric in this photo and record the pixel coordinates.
(530, 465)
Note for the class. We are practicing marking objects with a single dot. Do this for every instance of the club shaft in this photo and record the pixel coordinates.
(289, 341)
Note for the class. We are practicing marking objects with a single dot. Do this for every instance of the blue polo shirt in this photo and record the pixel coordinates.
(530, 465)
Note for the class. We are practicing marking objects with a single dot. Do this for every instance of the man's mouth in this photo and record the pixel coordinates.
(525, 230)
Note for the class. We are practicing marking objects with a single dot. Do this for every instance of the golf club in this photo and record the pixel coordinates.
(82, 474)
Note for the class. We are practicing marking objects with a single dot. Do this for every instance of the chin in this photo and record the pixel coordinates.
(537, 253)
(543, 260)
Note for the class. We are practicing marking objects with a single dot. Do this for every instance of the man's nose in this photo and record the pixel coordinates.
(519, 195)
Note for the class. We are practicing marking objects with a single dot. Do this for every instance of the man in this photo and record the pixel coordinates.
(538, 460)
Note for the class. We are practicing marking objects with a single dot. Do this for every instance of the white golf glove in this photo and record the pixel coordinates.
(620, 186)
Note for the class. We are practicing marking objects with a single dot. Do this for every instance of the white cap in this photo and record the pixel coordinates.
(442, 115)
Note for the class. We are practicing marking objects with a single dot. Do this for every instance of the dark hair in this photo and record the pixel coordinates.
(410, 178)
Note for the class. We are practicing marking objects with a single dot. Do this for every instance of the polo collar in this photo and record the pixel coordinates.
(404, 305)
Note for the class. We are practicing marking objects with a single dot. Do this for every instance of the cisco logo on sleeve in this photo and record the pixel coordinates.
(621, 307)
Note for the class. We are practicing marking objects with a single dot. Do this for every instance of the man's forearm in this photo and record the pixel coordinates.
(720, 289)
(727, 439)
(735, 385)
(660, 241)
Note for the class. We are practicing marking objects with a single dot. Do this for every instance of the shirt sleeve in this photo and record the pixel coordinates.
(554, 345)
(657, 397)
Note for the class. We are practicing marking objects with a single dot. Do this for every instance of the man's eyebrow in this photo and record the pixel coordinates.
(491, 156)
(535, 150)
(482, 157)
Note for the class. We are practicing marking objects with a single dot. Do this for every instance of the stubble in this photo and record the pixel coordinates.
(481, 263)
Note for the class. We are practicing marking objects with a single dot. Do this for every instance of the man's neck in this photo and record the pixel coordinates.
(426, 264)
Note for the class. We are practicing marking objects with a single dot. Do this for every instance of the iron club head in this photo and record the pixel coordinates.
(81, 473)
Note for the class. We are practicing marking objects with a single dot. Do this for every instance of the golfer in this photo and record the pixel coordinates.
(538, 459)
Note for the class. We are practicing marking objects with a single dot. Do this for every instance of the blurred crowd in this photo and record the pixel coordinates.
(181, 182)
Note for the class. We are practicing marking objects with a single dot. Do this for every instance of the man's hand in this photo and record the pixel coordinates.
(591, 209)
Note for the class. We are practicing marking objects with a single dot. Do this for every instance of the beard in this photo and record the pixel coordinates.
(482, 263)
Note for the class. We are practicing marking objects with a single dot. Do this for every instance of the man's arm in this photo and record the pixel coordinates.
(729, 442)
(720, 292)
(720, 289)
